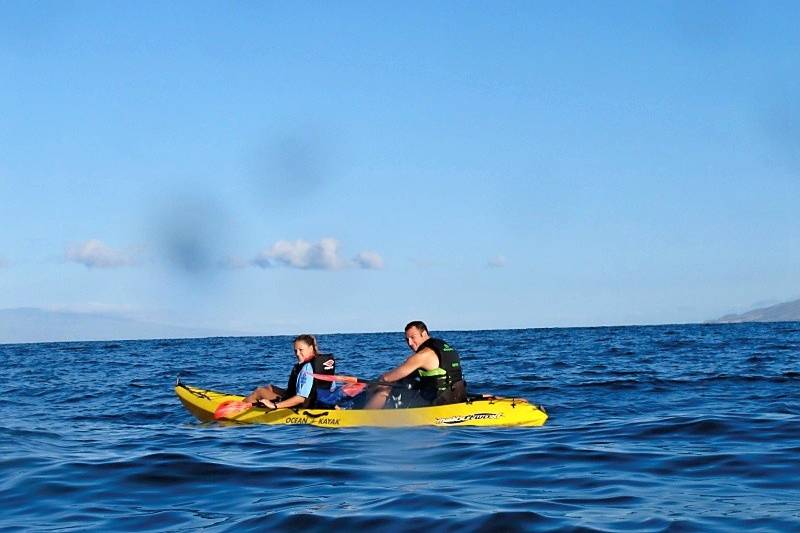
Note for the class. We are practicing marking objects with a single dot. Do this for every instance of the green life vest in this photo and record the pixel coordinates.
(437, 383)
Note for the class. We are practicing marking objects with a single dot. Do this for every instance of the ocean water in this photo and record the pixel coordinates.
(665, 428)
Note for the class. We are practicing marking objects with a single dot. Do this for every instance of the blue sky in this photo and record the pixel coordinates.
(278, 168)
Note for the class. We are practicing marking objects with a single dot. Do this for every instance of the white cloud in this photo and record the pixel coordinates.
(497, 262)
(322, 255)
(96, 254)
(369, 260)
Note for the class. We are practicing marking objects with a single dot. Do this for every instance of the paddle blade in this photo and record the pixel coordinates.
(231, 408)
(354, 389)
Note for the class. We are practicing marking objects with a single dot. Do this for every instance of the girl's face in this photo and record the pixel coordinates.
(303, 351)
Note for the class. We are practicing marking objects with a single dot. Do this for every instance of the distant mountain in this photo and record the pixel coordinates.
(785, 312)
(29, 324)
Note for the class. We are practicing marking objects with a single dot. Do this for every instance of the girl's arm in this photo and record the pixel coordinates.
(290, 402)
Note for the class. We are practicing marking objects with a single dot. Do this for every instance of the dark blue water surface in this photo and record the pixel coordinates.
(667, 428)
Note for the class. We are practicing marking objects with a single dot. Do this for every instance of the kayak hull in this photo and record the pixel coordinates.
(481, 411)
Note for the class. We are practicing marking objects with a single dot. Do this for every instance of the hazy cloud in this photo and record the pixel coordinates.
(780, 120)
(233, 263)
(322, 255)
(191, 229)
(713, 25)
(369, 260)
(93, 308)
(497, 262)
(96, 254)
(293, 164)
(3, 262)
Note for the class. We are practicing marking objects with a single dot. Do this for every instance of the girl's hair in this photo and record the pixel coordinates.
(310, 340)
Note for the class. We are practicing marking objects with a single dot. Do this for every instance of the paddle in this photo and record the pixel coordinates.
(353, 379)
(233, 408)
(356, 385)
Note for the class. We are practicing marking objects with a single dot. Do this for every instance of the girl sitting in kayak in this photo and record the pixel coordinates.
(301, 391)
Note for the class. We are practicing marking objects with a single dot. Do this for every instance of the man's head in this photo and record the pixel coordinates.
(416, 334)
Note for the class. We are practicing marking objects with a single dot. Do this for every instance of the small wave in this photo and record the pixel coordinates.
(612, 384)
(642, 379)
(677, 425)
(749, 378)
(614, 350)
(404, 520)
(778, 347)
(676, 344)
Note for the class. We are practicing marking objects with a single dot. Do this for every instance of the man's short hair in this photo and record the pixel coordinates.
(419, 324)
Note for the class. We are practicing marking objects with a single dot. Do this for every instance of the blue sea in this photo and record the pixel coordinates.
(663, 428)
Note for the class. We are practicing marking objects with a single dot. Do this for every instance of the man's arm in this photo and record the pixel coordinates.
(425, 359)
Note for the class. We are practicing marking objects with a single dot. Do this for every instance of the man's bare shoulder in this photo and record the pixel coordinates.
(426, 358)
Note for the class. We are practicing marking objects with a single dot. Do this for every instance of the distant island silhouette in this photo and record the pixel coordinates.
(29, 324)
(783, 312)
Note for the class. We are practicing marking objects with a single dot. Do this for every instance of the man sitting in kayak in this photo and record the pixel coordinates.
(433, 372)
(302, 387)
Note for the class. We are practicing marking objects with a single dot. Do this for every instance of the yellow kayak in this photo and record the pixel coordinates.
(480, 411)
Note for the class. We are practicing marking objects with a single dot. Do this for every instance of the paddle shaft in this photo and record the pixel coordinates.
(353, 379)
